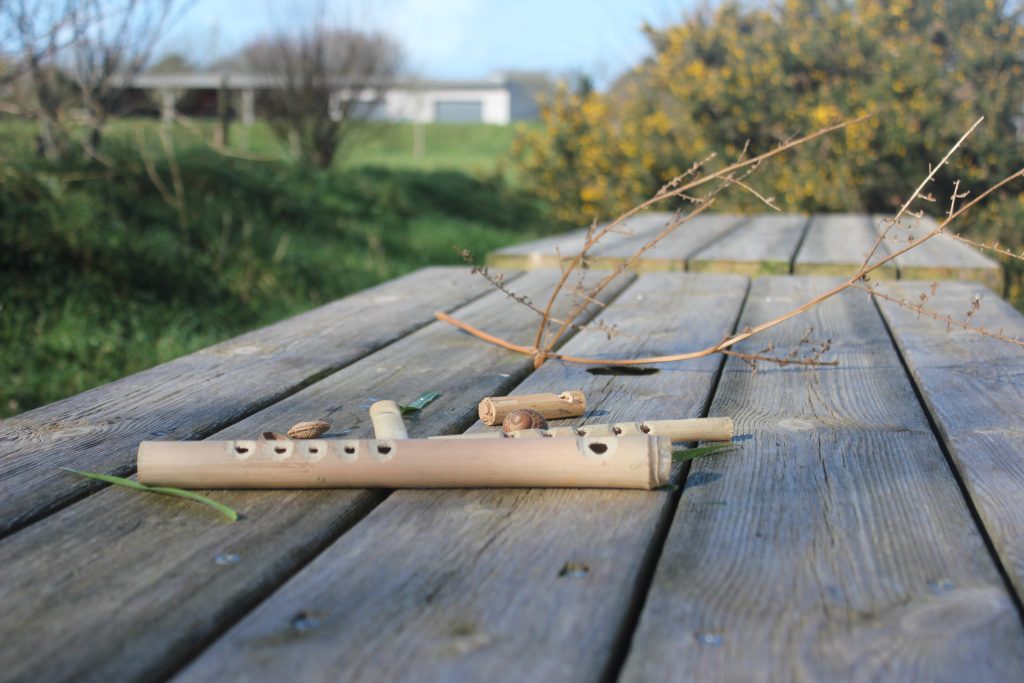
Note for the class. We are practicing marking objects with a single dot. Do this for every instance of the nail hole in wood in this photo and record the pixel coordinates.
(629, 370)
(645, 428)
(573, 570)
(616, 430)
(598, 448)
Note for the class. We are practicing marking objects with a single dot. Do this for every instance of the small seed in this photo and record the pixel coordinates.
(308, 430)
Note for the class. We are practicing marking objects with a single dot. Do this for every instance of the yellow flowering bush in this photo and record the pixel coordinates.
(766, 72)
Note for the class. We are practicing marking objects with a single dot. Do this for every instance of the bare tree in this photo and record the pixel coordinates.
(323, 81)
(77, 53)
(114, 42)
(33, 33)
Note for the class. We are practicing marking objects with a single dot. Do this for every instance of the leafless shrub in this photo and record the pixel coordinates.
(325, 81)
(550, 331)
(75, 55)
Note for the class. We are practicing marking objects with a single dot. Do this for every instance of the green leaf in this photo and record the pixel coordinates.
(421, 402)
(691, 453)
(162, 490)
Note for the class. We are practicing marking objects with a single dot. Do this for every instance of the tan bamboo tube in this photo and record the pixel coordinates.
(493, 409)
(630, 462)
(387, 421)
(696, 429)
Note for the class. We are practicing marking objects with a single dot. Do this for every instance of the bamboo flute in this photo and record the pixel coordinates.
(628, 462)
(696, 429)
(493, 409)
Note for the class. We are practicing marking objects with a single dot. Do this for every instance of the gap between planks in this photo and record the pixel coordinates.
(198, 394)
(107, 594)
(937, 363)
(458, 584)
(857, 558)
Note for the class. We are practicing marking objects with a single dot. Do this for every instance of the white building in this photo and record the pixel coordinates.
(495, 101)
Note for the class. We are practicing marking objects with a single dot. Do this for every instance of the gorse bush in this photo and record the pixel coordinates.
(765, 72)
(100, 276)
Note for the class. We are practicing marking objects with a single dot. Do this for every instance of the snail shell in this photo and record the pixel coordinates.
(308, 430)
(523, 418)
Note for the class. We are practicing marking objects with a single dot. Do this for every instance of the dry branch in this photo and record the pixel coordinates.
(542, 348)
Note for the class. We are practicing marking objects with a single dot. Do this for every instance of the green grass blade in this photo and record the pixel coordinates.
(691, 453)
(421, 402)
(161, 490)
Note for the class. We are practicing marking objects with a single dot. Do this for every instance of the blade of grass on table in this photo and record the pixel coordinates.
(161, 490)
(420, 403)
(691, 453)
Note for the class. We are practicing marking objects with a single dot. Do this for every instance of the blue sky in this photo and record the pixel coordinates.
(450, 38)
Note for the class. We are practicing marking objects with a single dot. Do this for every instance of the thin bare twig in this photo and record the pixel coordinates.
(541, 352)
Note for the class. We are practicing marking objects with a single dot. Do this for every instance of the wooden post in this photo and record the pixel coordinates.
(419, 140)
(629, 462)
(223, 112)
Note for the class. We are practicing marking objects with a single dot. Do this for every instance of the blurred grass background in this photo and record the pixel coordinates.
(101, 275)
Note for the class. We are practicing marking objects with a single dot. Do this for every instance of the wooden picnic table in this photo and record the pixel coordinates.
(820, 244)
(869, 524)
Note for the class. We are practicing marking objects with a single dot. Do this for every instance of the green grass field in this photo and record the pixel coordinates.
(101, 275)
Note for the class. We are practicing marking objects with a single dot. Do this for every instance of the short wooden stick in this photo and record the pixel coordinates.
(629, 462)
(696, 429)
(493, 409)
(387, 421)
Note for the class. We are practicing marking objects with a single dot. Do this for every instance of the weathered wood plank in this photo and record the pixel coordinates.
(195, 395)
(836, 545)
(973, 387)
(125, 586)
(523, 585)
(941, 257)
(542, 253)
(837, 243)
(671, 253)
(550, 252)
(765, 245)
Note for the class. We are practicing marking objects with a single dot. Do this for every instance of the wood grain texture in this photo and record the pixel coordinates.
(974, 389)
(837, 244)
(941, 257)
(550, 252)
(497, 585)
(765, 245)
(195, 395)
(836, 545)
(672, 252)
(125, 586)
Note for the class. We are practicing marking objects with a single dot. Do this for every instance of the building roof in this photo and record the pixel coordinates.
(238, 80)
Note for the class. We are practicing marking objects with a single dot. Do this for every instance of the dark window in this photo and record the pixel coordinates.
(459, 112)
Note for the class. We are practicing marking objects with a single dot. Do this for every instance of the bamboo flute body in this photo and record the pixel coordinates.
(629, 462)
(696, 429)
